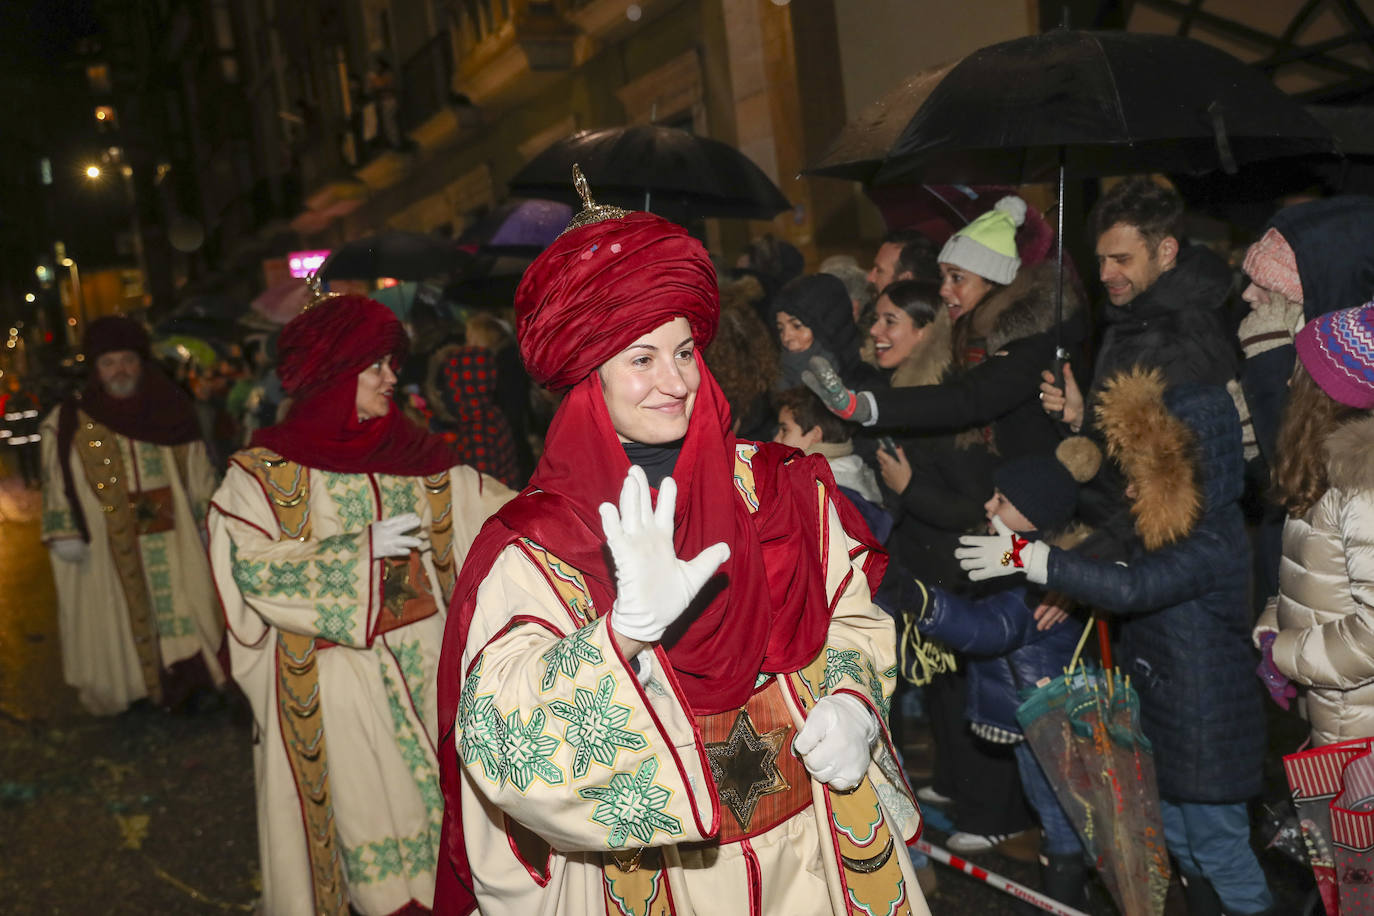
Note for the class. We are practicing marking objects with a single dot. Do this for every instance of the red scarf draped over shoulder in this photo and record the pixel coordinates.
(771, 615)
(320, 353)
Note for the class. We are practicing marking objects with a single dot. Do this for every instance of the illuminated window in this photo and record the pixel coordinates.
(98, 76)
(45, 170)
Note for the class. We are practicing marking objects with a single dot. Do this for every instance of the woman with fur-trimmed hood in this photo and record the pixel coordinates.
(1317, 630)
(1004, 337)
(1184, 608)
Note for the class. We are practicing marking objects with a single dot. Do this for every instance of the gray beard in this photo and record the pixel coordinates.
(121, 388)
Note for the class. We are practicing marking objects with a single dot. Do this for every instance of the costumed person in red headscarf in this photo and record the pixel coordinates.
(125, 487)
(664, 682)
(335, 540)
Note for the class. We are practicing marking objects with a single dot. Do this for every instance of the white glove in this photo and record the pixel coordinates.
(990, 556)
(389, 538)
(653, 587)
(70, 550)
(836, 739)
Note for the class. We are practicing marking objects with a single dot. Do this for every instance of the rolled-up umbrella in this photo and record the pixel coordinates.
(648, 167)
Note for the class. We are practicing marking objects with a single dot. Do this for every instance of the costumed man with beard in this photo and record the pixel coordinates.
(664, 693)
(335, 539)
(125, 487)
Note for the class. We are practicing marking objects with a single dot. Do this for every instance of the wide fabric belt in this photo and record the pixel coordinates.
(759, 780)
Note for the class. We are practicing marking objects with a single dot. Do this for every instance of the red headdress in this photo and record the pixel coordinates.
(586, 298)
(320, 353)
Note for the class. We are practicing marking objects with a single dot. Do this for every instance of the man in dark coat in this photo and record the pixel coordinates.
(1167, 311)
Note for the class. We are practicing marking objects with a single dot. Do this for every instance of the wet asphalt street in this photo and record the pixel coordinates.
(152, 813)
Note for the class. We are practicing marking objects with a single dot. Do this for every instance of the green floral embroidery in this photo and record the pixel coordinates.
(411, 658)
(597, 726)
(335, 622)
(386, 857)
(245, 572)
(482, 731)
(876, 684)
(398, 498)
(353, 502)
(372, 862)
(633, 806)
(150, 459)
(567, 656)
(340, 543)
(285, 580)
(418, 855)
(841, 664)
(57, 520)
(527, 751)
(354, 864)
(334, 579)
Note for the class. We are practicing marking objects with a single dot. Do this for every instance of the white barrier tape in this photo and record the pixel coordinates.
(1006, 885)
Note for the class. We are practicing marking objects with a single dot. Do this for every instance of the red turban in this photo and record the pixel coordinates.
(320, 353)
(596, 289)
(342, 335)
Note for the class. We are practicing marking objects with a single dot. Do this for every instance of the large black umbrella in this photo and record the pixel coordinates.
(648, 167)
(394, 253)
(1100, 103)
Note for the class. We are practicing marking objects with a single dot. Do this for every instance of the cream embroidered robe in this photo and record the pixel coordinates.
(376, 696)
(567, 757)
(142, 599)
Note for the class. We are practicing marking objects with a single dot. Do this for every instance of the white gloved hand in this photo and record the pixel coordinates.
(990, 556)
(70, 550)
(653, 587)
(389, 538)
(835, 741)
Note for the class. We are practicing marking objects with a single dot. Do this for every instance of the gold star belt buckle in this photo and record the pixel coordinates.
(745, 767)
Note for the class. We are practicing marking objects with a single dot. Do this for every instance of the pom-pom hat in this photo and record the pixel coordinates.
(987, 246)
(1044, 488)
(1337, 350)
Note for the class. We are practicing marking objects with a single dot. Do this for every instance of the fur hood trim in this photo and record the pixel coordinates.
(1350, 455)
(1023, 308)
(927, 363)
(1157, 452)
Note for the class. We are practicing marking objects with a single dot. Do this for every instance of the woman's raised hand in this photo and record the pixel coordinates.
(653, 586)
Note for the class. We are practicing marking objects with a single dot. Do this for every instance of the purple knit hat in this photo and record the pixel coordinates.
(1337, 350)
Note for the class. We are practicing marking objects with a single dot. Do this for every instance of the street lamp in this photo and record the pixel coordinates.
(93, 172)
(76, 289)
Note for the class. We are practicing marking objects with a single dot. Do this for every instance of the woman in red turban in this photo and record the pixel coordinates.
(664, 683)
(334, 542)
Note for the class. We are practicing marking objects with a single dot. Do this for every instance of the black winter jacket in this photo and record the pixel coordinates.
(1003, 391)
(1185, 634)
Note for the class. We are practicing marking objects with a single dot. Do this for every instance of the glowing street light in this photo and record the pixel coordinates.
(93, 171)
(29, 297)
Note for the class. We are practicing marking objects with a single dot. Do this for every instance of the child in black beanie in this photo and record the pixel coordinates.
(1007, 652)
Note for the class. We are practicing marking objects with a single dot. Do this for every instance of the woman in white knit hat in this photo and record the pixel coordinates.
(1004, 337)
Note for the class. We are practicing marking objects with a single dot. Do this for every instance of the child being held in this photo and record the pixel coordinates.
(1006, 651)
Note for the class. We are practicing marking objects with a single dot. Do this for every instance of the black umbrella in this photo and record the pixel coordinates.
(1100, 103)
(670, 171)
(397, 254)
